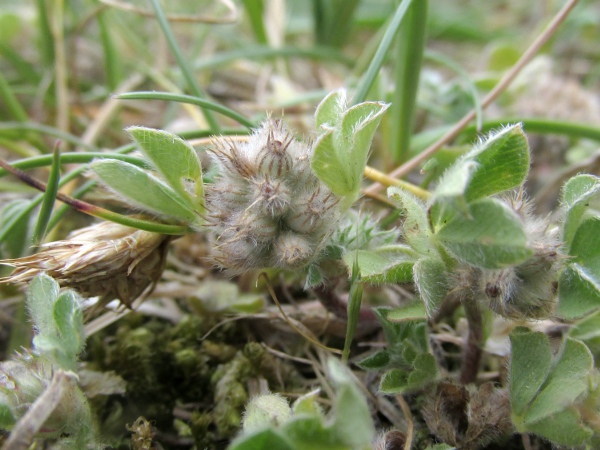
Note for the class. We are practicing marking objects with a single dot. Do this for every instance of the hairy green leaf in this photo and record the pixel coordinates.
(267, 439)
(415, 228)
(578, 194)
(352, 425)
(412, 311)
(174, 158)
(143, 190)
(331, 108)
(391, 264)
(340, 153)
(502, 162)
(563, 428)
(41, 295)
(431, 279)
(569, 378)
(530, 362)
(377, 361)
(579, 283)
(492, 237)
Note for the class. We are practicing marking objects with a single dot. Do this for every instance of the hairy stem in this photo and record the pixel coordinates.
(473, 346)
(338, 306)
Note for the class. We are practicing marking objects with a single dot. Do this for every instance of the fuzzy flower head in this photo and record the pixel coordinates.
(108, 260)
(267, 208)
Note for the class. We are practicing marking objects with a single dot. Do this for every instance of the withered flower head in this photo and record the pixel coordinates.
(107, 259)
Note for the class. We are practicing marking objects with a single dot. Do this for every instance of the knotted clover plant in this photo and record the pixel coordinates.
(471, 248)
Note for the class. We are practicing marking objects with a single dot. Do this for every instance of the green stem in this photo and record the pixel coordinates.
(183, 65)
(181, 98)
(542, 126)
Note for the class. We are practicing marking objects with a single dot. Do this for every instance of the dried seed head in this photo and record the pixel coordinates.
(106, 260)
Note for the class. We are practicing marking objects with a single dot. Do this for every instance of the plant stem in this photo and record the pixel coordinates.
(96, 211)
(473, 346)
(336, 305)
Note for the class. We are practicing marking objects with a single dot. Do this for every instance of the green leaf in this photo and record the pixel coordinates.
(331, 108)
(577, 196)
(587, 328)
(503, 162)
(309, 433)
(415, 228)
(449, 195)
(530, 362)
(267, 439)
(69, 323)
(543, 390)
(431, 279)
(307, 404)
(353, 140)
(7, 418)
(174, 158)
(498, 163)
(578, 292)
(579, 283)
(397, 381)
(352, 424)
(564, 428)
(326, 164)
(391, 264)
(143, 190)
(341, 151)
(492, 237)
(412, 311)
(41, 295)
(377, 361)
(568, 380)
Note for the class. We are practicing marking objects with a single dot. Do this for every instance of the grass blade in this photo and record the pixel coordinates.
(386, 42)
(411, 43)
(49, 197)
(183, 65)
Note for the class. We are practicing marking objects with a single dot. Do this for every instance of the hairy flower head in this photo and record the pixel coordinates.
(267, 208)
